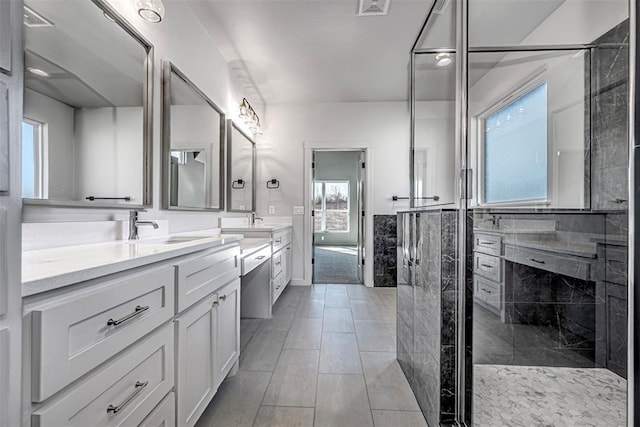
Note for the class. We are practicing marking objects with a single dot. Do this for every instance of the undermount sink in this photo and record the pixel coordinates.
(167, 240)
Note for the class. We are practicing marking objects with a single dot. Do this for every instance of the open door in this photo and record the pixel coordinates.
(315, 207)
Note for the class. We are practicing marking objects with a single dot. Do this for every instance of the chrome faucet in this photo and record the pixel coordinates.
(134, 223)
(254, 217)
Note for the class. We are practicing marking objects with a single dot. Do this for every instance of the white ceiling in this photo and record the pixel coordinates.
(300, 51)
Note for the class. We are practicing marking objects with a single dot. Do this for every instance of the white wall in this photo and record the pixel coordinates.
(59, 142)
(182, 39)
(382, 125)
(340, 166)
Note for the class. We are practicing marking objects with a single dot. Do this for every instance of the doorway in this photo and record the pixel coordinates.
(338, 216)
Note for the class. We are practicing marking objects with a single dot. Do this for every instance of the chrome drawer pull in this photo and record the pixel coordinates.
(260, 257)
(279, 262)
(536, 261)
(482, 242)
(223, 297)
(138, 388)
(486, 265)
(138, 311)
(279, 239)
(486, 290)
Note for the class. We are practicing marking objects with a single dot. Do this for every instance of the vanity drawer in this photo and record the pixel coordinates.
(488, 266)
(253, 260)
(281, 239)
(615, 270)
(276, 263)
(163, 415)
(571, 266)
(203, 274)
(277, 287)
(488, 292)
(70, 336)
(487, 243)
(123, 393)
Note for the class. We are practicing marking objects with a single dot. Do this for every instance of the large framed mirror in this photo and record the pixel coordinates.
(86, 131)
(241, 166)
(193, 131)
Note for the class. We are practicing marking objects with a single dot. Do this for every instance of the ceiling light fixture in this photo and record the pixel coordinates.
(150, 10)
(251, 119)
(38, 72)
(443, 59)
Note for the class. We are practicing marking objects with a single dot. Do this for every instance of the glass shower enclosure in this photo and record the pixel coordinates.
(519, 131)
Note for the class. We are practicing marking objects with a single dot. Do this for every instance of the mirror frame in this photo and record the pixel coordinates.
(167, 68)
(147, 127)
(230, 126)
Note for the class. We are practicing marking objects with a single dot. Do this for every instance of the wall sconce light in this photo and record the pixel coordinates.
(251, 119)
(150, 10)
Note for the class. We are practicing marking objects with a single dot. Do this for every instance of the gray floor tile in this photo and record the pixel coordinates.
(373, 335)
(281, 319)
(337, 320)
(314, 291)
(398, 419)
(273, 416)
(294, 380)
(336, 300)
(342, 401)
(339, 354)
(248, 328)
(366, 310)
(360, 292)
(305, 334)
(342, 289)
(311, 309)
(237, 401)
(387, 386)
(263, 351)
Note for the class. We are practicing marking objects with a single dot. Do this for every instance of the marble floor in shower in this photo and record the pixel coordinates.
(507, 395)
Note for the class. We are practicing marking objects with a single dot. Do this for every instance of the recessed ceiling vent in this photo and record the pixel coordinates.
(33, 19)
(440, 6)
(373, 7)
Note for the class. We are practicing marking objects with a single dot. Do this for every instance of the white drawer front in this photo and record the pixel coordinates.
(121, 394)
(489, 292)
(281, 239)
(277, 286)
(568, 265)
(250, 262)
(488, 266)
(163, 415)
(488, 243)
(276, 263)
(204, 273)
(72, 336)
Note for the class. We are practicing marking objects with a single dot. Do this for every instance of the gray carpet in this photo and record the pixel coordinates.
(336, 265)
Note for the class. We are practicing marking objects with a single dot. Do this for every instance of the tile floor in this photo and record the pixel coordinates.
(548, 396)
(326, 358)
(335, 264)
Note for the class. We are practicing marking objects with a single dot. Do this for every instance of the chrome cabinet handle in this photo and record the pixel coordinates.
(486, 265)
(482, 242)
(279, 262)
(214, 303)
(138, 388)
(279, 239)
(260, 257)
(486, 290)
(223, 297)
(138, 311)
(536, 261)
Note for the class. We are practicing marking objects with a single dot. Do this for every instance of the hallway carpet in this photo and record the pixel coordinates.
(336, 264)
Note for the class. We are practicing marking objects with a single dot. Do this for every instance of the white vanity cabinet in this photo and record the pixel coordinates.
(207, 333)
(281, 262)
(145, 346)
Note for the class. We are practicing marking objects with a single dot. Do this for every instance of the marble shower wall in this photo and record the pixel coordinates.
(427, 315)
(385, 240)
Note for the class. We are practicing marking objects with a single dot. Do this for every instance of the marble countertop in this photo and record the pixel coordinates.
(508, 231)
(257, 227)
(47, 269)
(250, 245)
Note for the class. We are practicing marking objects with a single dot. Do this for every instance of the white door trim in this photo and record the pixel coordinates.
(309, 147)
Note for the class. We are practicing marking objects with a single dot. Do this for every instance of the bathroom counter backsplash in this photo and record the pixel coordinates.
(52, 268)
